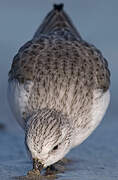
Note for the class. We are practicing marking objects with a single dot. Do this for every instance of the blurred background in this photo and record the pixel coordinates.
(97, 22)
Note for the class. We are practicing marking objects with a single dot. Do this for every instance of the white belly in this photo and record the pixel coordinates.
(99, 107)
(18, 99)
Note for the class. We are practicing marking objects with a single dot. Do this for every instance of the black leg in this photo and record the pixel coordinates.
(51, 170)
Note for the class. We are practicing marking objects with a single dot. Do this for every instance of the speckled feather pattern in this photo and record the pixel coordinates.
(60, 69)
(64, 71)
(51, 128)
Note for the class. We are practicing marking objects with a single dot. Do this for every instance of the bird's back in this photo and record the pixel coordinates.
(58, 70)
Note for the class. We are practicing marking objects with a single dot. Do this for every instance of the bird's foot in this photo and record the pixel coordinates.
(33, 172)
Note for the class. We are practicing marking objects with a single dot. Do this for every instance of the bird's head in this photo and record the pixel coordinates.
(48, 136)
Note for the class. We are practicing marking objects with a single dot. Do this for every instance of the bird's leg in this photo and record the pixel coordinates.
(51, 170)
(37, 167)
(58, 167)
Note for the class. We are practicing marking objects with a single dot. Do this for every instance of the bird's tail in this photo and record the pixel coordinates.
(56, 19)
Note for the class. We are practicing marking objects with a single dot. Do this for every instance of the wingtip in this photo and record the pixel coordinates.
(58, 7)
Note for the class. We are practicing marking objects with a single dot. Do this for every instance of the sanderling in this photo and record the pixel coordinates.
(58, 89)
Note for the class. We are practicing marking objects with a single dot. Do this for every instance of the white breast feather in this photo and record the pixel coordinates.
(18, 99)
(99, 107)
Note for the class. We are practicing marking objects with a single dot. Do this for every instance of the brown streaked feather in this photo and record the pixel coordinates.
(64, 69)
(45, 56)
(56, 19)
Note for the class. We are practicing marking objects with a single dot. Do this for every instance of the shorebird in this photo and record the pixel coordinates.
(58, 89)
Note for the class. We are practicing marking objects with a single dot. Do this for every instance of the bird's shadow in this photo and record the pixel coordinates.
(35, 177)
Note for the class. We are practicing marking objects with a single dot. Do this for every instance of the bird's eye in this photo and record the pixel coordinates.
(55, 148)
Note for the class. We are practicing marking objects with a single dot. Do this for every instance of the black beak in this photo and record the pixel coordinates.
(37, 165)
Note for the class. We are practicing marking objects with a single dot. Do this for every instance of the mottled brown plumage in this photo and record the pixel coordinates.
(57, 62)
(59, 73)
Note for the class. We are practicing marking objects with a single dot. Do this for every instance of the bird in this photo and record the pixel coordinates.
(58, 89)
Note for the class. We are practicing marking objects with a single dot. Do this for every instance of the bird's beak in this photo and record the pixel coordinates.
(37, 165)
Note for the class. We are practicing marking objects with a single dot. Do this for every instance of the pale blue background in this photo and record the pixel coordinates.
(97, 22)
